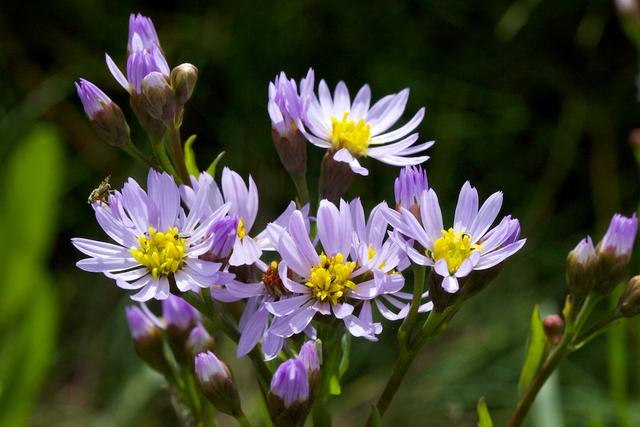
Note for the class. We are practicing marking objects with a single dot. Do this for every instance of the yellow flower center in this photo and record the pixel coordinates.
(372, 253)
(348, 134)
(241, 231)
(330, 279)
(454, 247)
(161, 252)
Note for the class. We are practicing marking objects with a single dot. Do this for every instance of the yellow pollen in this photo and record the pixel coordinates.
(371, 253)
(454, 247)
(330, 279)
(348, 134)
(161, 252)
(241, 231)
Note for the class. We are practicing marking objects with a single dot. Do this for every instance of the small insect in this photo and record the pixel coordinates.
(101, 193)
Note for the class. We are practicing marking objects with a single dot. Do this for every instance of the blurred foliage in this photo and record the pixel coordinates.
(532, 97)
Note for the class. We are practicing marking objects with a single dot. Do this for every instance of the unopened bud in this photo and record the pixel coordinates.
(629, 303)
(216, 383)
(199, 341)
(225, 233)
(160, 101)
(105, 116)
(183, 81)
(582, 268)
(292, 150)
(147, 339)
(180, 318)
(335, 177)
(553, 326)
(614, 251)
(408, 187)
(311, 357)
(288, 398)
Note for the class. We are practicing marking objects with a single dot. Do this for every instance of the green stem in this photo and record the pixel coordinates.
(595, 330)
(330, 335)
(177, 154)
(552, 362)
(302, 189)
(404, 333)
(137, 154)
(243, 420)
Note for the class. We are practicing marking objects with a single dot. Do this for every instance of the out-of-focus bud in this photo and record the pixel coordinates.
(199, 341)
(105, 116)
(553, 326)
(408, 186)
(216, 382)
(180, 319)
(147, 339)
(311, 357)
(287, 110)
(183, 81)
(629, 303)
(582, 268)
(160, 100)
(335, 178)
(614, 251)
(225, 232)
(288, 398)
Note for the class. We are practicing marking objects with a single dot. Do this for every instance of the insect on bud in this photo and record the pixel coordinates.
(553, 326)
(629, 303)
(216, 383)
(183, 81)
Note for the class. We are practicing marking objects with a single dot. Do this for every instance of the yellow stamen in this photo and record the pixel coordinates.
(330, 279)
(454, 247)
(241, 230)
(161, 252)
(348, 134)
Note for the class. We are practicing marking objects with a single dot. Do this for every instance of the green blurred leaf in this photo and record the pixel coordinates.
(190, 157)
(484, 418)
(211, 170)
(535, 350)
(345, 344)
(334, 386)
(376, 419)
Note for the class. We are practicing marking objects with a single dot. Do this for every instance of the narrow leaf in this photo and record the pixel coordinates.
(535, 350)
(211, 170)
(190, 157)
(376, 418)
(484, 418)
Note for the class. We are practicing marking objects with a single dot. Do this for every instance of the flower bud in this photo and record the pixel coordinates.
(614, 251)
(288, 398)
(160, 101)
(553, 326)
(335, 178)
(105, 116)
(225, 232)
(582, 268)
(311, 357)
(199, 341)
(180, 319)
(142, 34)
(216, 383)
(629, 303)
(408, 186)
(183, 81)
(147, 340)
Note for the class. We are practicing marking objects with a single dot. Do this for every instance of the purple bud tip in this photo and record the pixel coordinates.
(224, 236)
(178, 313)
(142, 33)
(285, 105)
(620, 235)
(198, 337)
(584, 251)
(139, 324)
(553, 325)
(311, 356)
(92, 98)
(209, 368)
(290, 382)
(408, 186)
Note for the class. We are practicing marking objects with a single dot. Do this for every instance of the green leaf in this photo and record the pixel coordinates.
(190, 157)
(345, 344)
(484, 418)
(211, 170)
(376, 418)
(334, 386)
(535, 350)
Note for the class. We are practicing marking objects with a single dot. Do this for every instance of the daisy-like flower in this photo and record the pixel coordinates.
(352, 129)
(144, 55)
(156, 242)
(331, 282)
(467, 246)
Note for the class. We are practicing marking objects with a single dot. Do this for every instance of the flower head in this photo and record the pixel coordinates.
(216, 383)
(291, 383)
(467, 246)
(286, 106)
(582, 267)
(142, 34)
(311, 357)
(179, 314)
(155, 240)
(93, 99)
(352, 129)
(408, 186)
(140, 325)
(620, 236)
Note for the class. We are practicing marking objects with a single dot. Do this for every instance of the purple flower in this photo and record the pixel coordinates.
(291, 383)
(287, 107)
(199, 340)
(155, 239)
(311, 356)
(408, 186)
(224, 234)
(350, 130)
(210, 369)
(140, 325)
(216, 383)
(144, 55)
(620, 236)
(467, 246)
(584, 252)
(93, 99)
(179, 314)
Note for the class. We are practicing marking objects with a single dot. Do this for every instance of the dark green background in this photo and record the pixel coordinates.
(535, 98)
